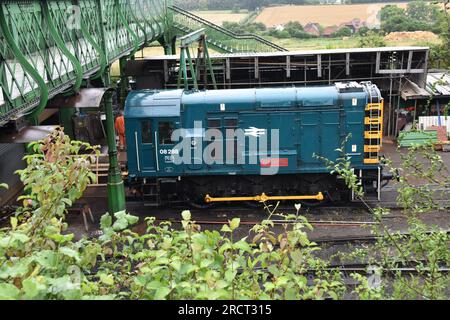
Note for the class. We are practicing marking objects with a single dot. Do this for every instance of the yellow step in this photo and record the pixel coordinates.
(372, 134)
(372, 148)
(371, 161)
(372, 121)
(374, 106)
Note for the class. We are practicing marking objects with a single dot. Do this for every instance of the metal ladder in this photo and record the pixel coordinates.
(373, 122)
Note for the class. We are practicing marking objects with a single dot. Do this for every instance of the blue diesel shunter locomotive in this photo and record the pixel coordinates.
(170, 136)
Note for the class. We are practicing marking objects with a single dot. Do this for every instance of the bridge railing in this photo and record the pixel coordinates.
(220, 38)
(49, 47)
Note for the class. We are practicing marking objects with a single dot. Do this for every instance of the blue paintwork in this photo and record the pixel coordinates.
(311, 120)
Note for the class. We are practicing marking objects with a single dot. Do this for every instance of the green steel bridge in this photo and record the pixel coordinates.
(52, 47)
(56, 48)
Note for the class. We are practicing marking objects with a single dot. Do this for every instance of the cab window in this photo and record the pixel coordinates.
(165, 130)
(146, 131)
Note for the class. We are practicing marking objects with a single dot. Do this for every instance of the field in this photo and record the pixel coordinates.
(218, 17)
(293, 44)
(326, 15)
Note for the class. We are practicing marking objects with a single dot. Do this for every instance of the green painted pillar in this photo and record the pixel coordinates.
(66, 120)
(116, 188)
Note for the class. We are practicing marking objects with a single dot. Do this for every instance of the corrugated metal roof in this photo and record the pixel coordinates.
(411, 91)
(441, 83)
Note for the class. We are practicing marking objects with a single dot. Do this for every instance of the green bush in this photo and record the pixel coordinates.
(40, 260)
(343, 32)
(371, 40)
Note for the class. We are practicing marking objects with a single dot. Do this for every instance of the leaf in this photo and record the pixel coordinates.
(32, 288)
(70, 253)
(297, 257)
(47, 259)
(205, 263)
(123, 220)
(13, 223)
(243, 245)
(186, 214)
(273, 269)
(234, 223)
(224, 247)
(62, 285)
(105, 221)
(301, 281)
(290, 294)
(161, 293)
(20, 237)
(9, 292)
(18, 268)
(61, 238)
(230, 275)
(269, 286)
(68, 202)
(225, 228)
(4, 186)
(107, 279)
(120, 224)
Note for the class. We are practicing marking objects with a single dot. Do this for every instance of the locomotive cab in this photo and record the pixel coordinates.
(150, 119)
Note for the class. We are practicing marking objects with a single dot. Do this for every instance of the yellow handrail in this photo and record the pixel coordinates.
(263, 198)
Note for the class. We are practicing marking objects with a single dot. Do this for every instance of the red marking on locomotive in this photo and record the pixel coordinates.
(274, 162)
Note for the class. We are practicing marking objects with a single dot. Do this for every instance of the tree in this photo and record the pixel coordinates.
(343, 32)
(371, 40)
(399, 23)
(418, 16)
(390, 11)
(422, 11)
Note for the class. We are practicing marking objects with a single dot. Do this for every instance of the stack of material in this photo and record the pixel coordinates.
(442, 138)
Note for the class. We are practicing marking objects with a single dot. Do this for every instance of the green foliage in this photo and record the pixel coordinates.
(371, 39)
(56, 175)
(418, 16)
(440, 54)
(236, 9)
(42, 261)
(295, 30)
(39, 260)
(241, 28)
(363, 31)
(280, 34)
(343, 32)
(343, 168)
(420, 248)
